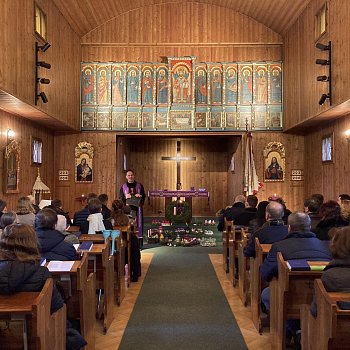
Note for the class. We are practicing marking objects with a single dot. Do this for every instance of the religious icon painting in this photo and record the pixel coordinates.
(148, 85)
(84, 154)
(231, 117)
(182, 80)
(260, 83)
(274, 162)
(163, 84)
(275, 83)
(103, 119)
(118, 84)
(259, 118)
(133, 118)
(245, 84)
(230, 85)
(215, 120)
(11, 167)
(133, 90)
(244, 120)
(275, 117)
(215, 84)
(88, 118)
(103, 85)
(148, 118)
(88, 84)
(201, 90)
(200, 120)
(161, 120)
(327, 148)
(118, 118)
(181, 120)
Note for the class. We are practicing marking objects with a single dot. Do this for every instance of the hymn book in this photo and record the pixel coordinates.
(85, 246)
(55, 265)
(305, 265)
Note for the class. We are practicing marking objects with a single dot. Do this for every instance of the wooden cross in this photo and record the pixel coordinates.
(178, 159)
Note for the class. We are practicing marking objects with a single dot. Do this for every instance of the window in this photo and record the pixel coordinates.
(327, 148)
(40, 22)
(37, 151)
(321, 22)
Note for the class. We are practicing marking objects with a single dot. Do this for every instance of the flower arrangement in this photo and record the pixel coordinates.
(178, 212)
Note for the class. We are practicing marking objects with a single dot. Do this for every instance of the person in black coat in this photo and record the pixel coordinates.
(231, 213)
(272, 231)
(51, 242)
(106, 212)
(20, 269)
(336, 275)
(249, 213)
(56, 205)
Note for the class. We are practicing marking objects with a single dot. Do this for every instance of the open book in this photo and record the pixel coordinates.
(134, 201)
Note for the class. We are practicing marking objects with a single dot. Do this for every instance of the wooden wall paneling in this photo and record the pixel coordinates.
(330, 179)
(301, 91)
(17, 63)
(24, 130)
(104, 167)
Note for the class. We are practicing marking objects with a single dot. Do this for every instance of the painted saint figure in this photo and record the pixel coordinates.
(274, 171)
(118, 87)
(201, 87)
(88, 87)
(147, 88)
(84, 172)
(276, 87)
(216, 86)
(181, 86)
(246, 86)
(133, 87)
(162, 86)
(261, 86)
(231, 86)
(102, 88)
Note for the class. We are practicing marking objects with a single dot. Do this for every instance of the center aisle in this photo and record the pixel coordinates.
(181, 305)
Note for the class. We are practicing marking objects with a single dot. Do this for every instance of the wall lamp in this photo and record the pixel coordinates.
(43, 64)
(322, 78)
(44, 47)
(43, 80)
(10, 135)
(43, 97)
(347, 135)
(325, 78)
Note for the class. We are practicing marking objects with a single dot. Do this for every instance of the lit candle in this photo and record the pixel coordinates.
(174, 210)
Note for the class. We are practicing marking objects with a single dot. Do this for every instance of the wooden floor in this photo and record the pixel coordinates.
(122, 313)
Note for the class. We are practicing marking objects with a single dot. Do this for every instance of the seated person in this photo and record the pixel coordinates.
(80, 217)
(32, 202)
(331, 217)
(3, 207)
(6, 219)
(300, 243)
(249, 213)
(106, 212)
(118, 218)
(51, 241)
(312, 207)
(272, 231)
(260, 219)
(20, 271)
(25, 211)
(231, 213)
(336, 275)
(95, 219)
(56, 205)
(280, 200)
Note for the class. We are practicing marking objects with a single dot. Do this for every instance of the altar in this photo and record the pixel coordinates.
(177, 194)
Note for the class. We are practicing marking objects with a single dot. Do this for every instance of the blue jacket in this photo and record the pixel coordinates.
(53, 246)
(266, 235)
(80, 217)
(297, 245)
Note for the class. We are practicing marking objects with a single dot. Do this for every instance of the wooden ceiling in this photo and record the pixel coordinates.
(86, 15)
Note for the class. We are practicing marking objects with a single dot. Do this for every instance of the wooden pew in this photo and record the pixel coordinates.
(331, 328)
(226, 242)
(81, 291)
(104, 268)
(41, 330)
(233, 253)
(288, 293)
(243, 268)
(261, 251)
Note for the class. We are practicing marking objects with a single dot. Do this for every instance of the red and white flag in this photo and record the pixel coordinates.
(251, 181)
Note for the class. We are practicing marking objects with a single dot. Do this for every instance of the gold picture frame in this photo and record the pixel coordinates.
(11, 167)
(84, 154)
(274, 162)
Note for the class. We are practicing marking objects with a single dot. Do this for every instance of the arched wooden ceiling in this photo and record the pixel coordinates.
(86, 15)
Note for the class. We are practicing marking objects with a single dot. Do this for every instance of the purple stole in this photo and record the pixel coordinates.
(139, 209)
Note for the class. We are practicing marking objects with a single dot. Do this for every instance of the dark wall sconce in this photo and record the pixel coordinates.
(325, 78)
(41, 95)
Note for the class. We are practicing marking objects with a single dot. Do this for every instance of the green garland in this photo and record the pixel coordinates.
(184, 217)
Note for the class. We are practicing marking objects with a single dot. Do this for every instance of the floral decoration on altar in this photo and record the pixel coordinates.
(178, 212)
